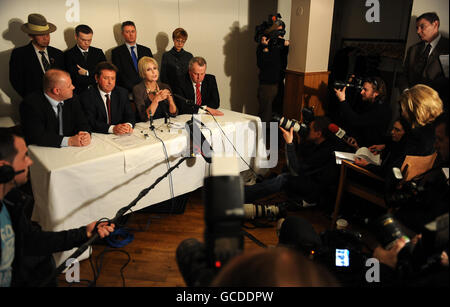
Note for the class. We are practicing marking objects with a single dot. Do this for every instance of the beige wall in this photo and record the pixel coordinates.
(220, 31)
(310, 43)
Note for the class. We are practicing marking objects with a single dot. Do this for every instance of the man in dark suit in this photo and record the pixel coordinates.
(106, 105)
(198, 87)
(82, 59)
(52, 117)
(126, 57)
(28, 63)
(422, 63)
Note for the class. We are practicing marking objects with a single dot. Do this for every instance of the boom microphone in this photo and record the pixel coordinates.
(340, 133)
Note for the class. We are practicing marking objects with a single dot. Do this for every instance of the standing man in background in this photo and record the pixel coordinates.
(422, 64)
(82, 59)
(29, 63)
(126, 58)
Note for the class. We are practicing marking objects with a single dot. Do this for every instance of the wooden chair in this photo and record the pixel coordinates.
(416, 165)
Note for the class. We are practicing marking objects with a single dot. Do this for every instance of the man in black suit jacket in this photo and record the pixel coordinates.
(28, 63)
(128, 75)
(82, 59)
(112, 114)
(39, 114)
(198, 87)
(422, 63)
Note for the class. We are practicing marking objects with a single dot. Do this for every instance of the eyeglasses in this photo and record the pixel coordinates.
(180, 41)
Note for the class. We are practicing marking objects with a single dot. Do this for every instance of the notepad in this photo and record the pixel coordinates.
(363, 153)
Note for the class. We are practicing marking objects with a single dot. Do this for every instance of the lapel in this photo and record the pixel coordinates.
(102, 111)
(189, 88)
(34, 59)
(127, 55)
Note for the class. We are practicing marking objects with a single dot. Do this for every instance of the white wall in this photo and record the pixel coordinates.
(220, 31)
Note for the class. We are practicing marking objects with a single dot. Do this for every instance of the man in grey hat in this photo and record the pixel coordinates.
(28, 63)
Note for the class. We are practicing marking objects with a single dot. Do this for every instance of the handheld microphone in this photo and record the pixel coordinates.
(340, 133)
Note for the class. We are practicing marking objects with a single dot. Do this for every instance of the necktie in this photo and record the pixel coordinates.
(198, 94)
(45, 63)
(85, 55)
(108, 105)
(133, 56)
(60, 118)
(422, 63)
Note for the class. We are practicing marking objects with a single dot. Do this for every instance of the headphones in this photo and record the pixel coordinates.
(7, 173)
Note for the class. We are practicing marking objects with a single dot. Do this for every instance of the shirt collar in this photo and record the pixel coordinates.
(435, 41)
(102, 93)
(82, 49)
(52, 101)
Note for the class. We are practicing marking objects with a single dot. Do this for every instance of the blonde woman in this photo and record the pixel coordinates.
(152, 98)
(420, 106)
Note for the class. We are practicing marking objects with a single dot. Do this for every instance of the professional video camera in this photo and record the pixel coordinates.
(301, 127)
(351, 82)
(223, 198)
(270, 30)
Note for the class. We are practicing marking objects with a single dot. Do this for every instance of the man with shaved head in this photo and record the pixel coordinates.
(53, 117)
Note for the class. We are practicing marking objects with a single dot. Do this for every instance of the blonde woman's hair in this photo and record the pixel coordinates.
(143, 63)
(420, 105)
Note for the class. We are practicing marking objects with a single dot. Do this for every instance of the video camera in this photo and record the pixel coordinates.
(270, 30)
(223, 198)
(301, 127)
(351, 82)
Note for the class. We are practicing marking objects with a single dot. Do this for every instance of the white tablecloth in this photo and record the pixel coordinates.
(74, 186)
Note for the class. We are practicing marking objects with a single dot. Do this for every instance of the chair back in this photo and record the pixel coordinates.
(417, 165)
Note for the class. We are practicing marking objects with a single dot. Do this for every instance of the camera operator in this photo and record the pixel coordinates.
(271, 55)
(310, 163)
(370, 125)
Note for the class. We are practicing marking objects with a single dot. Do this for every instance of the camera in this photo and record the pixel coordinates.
(388, 230)
(351, 82)
(223, 198)
(301, 127)
(270, 212)
(270, 30)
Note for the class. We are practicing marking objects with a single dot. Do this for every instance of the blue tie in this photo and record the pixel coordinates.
(133, 56)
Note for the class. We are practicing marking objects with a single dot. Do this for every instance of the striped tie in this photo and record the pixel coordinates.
(198, 94)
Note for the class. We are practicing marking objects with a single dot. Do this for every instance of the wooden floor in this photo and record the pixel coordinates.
(152, 252)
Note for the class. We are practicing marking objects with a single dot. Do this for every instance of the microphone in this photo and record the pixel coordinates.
(151, 121)
(189, 102)
(340, 133)
(197, 141)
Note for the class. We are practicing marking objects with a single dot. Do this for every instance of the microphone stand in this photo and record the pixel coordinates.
(119, 214)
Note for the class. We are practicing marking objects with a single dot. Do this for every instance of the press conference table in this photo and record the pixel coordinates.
(74, 186)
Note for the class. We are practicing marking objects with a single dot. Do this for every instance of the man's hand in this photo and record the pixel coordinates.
(122, 129)
(82, 71)
(85, 138)
(214, 112)
(340, 94)
(361, 162)
(390, 257)
(288, 135)
(103, 229)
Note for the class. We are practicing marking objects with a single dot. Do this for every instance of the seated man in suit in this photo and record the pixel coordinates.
(422, 63)
(53, 117)
(29, 63)
(106, 105)
(126, 57)
(82, 59)
(198, 87)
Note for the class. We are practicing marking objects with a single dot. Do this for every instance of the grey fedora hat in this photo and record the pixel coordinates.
(38, 25)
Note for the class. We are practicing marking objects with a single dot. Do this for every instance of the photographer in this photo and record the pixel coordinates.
(370, 125)
(271, 56)
(310, 164)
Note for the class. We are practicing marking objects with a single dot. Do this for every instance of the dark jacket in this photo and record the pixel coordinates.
(128, 76)
(368, 127)
(271, 64)
(174, 65)
(142, 102)
(40, 124)
(25, 71)
(33, 261)
(94, 107)
(209, 91)
(74, 57)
